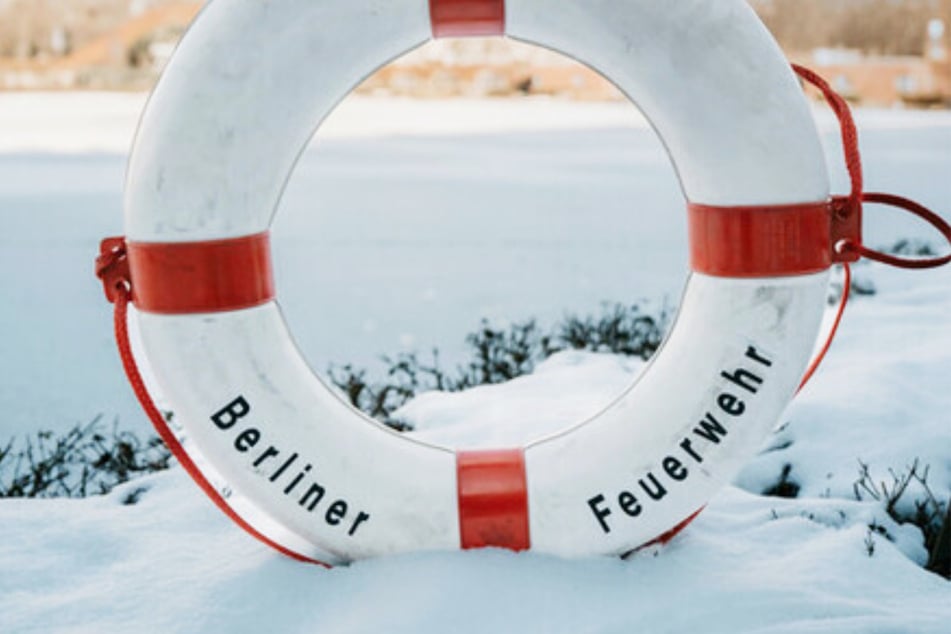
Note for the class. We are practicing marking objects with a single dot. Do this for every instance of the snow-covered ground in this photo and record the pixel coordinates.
(392, 240)
(749, 563)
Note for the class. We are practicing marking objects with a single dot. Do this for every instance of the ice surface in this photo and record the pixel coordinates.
(389, 230)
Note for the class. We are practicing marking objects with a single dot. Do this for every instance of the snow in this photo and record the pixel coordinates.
(173, 563)
(881, 396)
(749, 563)
(522, 410)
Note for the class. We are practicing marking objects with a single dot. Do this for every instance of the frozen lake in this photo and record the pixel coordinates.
(405, 223)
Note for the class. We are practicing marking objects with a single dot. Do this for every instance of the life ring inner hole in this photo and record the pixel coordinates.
(508, 209)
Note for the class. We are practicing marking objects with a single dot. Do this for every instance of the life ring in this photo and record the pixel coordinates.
(239, 101)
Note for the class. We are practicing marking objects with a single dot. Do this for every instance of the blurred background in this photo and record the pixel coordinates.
(878, 52)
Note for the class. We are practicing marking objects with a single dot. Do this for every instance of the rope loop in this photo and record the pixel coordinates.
(916, 209)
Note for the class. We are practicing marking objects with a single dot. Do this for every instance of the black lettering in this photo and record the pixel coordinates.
(227, 416)
(336, 512)
(296, 480)
(362, 517)
(674, 468)
(685, 445)
(317, 491)
(755, 356)
(247, 439)
(629, 503)
(658, 491)
(744, 378)
(600, 513)
(268, 453)
(711, 429)
(731, 404)
(283, 467)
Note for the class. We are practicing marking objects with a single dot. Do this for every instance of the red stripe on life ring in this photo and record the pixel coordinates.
(493, 499)
(767, 241)
(201, 277)
(466, 18)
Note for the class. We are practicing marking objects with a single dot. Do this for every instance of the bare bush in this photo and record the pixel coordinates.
(926, 511)
(83, 461)
(499, 354)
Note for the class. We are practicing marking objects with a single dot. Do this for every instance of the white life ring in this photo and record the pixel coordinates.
(239, 101)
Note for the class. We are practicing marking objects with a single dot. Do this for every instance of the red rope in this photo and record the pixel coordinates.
(817, 360)
(122, 297)
(914, 208)
(853, 163)
(850, 135)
